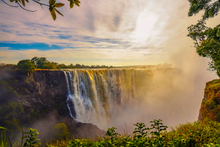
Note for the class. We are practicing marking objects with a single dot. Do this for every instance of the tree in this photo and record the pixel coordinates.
(26, 66)
(52, 5)
(49, 65)
(206, 39)
(60, 131)
(40, 62)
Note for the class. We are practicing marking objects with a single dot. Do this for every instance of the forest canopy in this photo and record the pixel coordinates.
(28, 66)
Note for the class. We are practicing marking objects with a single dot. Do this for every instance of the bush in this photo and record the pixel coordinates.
(60, 132)
(26, 66)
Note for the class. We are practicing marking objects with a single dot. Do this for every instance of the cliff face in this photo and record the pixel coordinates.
(51, 90)
(38, 101)
(210, 107)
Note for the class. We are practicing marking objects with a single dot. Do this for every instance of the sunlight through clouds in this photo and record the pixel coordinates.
(146, 31)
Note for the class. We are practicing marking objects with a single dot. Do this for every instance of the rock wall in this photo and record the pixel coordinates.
(42, 100)
(210, 107)
(52, 90)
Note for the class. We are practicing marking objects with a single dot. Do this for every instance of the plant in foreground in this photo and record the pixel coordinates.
(4, 140)
(31, 138)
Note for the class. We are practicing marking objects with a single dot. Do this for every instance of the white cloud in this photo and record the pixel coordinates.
(153, 27)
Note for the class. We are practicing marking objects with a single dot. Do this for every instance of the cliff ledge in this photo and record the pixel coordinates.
(210, 107)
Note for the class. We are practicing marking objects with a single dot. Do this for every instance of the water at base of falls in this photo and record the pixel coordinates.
(95, 95)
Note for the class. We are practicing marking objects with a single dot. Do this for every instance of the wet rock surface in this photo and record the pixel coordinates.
(210, 107)
(43, 97)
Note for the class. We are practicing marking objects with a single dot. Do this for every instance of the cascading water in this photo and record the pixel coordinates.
(94, 95)
(121, 97)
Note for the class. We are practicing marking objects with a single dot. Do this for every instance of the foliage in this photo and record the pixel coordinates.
(112, 134)
(140, 131)
(26, 66)
(206, 39)
(210, 106)
(39, 62)
(204, 133)
(43, 63)
(196, 134)
(31, 138)
(3, 139)
(60, 131)
(10, 114)
(3, 65)
(210, 8)
(158, 127)
(52, 5)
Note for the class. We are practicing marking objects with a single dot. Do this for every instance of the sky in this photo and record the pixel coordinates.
(100, 32)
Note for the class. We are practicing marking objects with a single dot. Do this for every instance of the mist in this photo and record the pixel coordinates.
(175, 96)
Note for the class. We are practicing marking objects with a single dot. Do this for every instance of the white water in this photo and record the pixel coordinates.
(123, 96)
(99, 94)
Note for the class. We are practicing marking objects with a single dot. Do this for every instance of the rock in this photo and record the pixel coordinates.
(210, 107)
(86, 130)
(43, 96)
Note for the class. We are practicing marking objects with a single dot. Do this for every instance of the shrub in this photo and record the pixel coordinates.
(60, 132)
(26, 66)
(31, 138)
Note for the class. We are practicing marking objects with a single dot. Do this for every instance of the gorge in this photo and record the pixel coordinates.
(104, 98)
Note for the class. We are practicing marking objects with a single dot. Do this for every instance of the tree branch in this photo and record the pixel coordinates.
(37, 1)
(25, 9)
(9, 4)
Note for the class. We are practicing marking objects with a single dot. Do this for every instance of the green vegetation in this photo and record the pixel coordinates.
(26, 66)
(204, 133)
(210, 107)
(206, 39)
(31, 139)
(11, 113)
(52, 5)
(60, 131)
(3, 140)
(43, 63)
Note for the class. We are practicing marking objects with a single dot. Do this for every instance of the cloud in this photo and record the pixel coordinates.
(85, 56)
(112, 29)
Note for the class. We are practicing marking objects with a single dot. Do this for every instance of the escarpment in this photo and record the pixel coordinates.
(210, 107)
(52, 90)
(38, 101)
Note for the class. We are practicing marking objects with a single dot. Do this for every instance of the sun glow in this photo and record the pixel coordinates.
(145, 26)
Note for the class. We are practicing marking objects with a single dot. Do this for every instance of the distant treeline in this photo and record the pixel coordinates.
(29, 65)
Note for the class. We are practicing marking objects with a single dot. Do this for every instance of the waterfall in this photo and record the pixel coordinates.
(94, 95)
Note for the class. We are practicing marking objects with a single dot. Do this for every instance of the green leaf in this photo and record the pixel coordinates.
(58, 11)
(71, 3)
(58, 5)
(3, 128)
(218, 33)
(12, 0)
(77, 2)
(23, 2)
(53, 14)
(52, 2)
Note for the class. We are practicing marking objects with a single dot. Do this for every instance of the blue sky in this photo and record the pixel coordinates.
(100, 32)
